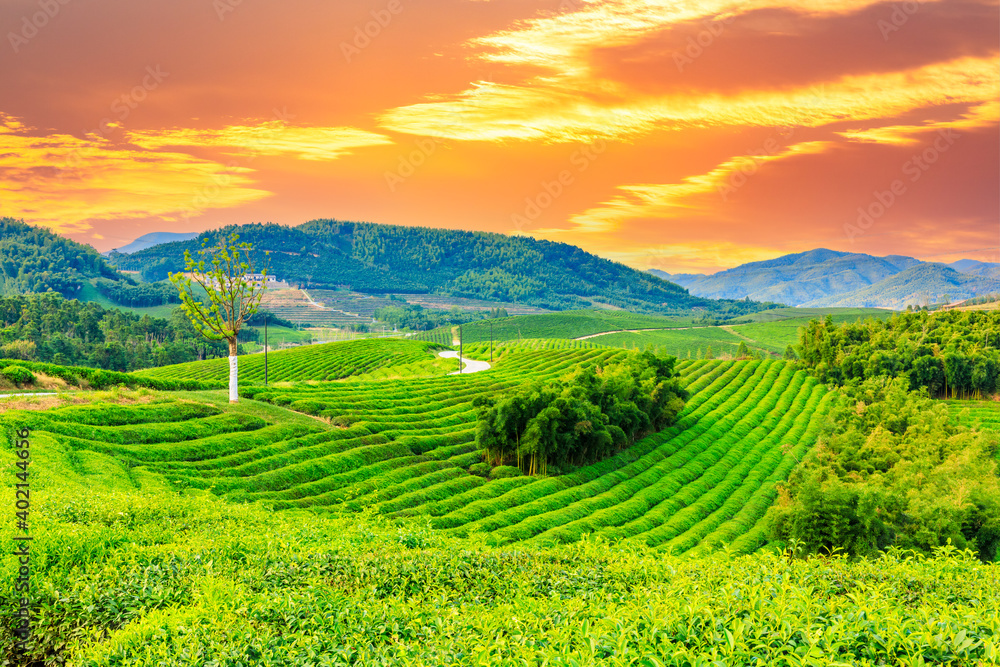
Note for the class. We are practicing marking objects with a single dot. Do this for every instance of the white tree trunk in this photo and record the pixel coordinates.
(233, 381)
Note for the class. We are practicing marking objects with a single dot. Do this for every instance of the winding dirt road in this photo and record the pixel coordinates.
(471, 365)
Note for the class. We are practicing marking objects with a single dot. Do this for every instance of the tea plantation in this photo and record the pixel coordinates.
(342, 519)
(329, 361)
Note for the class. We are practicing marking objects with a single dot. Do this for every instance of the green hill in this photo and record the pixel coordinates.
(567, 324)
(383, 259)
(354, 522)
(34, 260)
(768, 331)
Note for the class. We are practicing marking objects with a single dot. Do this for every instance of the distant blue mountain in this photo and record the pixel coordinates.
(976, 268)
(830, 277)
(155, 238)
(918, 285)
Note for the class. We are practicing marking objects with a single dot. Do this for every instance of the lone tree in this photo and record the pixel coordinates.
(233, 295)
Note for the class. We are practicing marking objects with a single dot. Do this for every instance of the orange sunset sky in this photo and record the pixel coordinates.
(686, 136)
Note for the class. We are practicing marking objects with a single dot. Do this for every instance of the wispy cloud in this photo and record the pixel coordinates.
(66, 182)
(982, 115)
(269, 138)
(545, 112)
(669, 200)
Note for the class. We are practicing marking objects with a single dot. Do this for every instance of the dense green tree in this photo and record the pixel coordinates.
(583, 418)
(34, 261)
(53, 329)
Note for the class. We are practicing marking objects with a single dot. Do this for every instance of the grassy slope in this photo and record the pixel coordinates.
(683, 343)
(779, 314)
(126, 571)
(90, 293)
(781, 328)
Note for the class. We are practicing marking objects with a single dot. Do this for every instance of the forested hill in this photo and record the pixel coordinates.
(384, 258)
(33, 259)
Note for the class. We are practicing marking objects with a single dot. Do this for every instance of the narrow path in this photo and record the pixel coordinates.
(471, 365)
(736, 333)
(310, 299)
(48, 393)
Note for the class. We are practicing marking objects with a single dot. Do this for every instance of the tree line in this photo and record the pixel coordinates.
(893, 469)
(128, 292)
(50, 328)
(417, 318)
(950, 353)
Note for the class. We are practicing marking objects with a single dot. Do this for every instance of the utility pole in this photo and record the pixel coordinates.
(491, 341)
(265, 349)
(459, 349)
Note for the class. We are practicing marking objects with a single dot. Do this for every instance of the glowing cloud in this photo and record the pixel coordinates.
(270, 138)
(983, 115)
(559, 42)
(494, 112)
(64, 182)
(647, 201)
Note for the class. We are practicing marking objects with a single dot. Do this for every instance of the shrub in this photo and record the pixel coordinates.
(501, 472)
(482, 469)
(18, 375)
(102, 379)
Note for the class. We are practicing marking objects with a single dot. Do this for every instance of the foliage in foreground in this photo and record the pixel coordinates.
(79, 377)
(894, 470)
(152, 578)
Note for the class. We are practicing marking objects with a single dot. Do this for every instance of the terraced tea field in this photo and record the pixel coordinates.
(127, 571)
(328, 361)
(564, 325)
(406, 448)
(769, 331)
(295, 306)
(684, 343)
(443, 302)
(352, 522)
